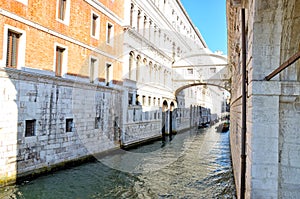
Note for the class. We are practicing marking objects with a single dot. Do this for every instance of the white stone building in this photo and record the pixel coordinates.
(158, 36)
(270, 136)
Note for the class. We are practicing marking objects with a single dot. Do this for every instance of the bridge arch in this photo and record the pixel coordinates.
(201, 67)
(178, 90)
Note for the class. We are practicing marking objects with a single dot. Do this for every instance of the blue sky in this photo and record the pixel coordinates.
(210, 18)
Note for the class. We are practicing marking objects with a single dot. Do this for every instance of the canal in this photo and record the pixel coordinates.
(193, 164)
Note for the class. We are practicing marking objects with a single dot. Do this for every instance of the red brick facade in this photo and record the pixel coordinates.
(38, 19)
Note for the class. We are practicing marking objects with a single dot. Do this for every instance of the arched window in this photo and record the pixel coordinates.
(130, 68)
(165, 77)
(155, 33)
(138, 20)
(145, 26)
(138, 60)
(150, 70)
(178, 51)
(173, 51)
(145, 61)
(156, 73)
(131, 14)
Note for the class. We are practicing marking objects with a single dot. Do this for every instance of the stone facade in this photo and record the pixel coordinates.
(159, 38)
(80, 77)
(50, 103)
(272, 144)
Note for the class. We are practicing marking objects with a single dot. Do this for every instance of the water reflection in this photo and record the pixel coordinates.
(195, 164)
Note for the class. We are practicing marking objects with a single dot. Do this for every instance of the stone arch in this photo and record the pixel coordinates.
(165, 119)
(172, 106)
(178, 90)
(171, 118)
(290, 40)
(165, 106)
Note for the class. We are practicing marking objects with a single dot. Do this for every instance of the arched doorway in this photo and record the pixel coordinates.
(164, 119)
(172, 119)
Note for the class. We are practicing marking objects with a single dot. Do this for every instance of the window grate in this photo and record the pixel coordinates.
(29, 128)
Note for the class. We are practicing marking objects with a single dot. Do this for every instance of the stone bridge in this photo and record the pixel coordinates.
(201, 68)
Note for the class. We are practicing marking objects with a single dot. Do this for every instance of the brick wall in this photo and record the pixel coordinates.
(76, 36)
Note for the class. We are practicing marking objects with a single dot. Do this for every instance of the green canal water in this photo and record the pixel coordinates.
(193, 164)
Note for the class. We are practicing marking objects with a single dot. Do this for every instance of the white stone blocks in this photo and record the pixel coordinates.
(264, 88)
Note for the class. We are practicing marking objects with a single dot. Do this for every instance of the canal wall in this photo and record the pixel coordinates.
(146, 125)
(183, 119)
(272, 138)
(49, 122)
(141, 125)
(46, 121)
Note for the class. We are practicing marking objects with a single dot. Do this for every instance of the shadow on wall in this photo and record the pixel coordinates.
(48, 123)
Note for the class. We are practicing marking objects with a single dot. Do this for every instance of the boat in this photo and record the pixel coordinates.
(225, 127)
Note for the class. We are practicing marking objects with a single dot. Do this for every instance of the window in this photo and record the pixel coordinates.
(150, 29)
(109, 33)
(97, 122)
(69, 125)
(145, 26)
(63, 11)
(190, 71)
(130, 98)
(137, 99)
(95, 19)
(131, 14)
(59, 60)
(29, 128)
(138, 20)
(109, 73)
(12, 49)
(14, 44)
(131, 60)
(93, 69)
(144, 100)
(138, 60)
(213, 70)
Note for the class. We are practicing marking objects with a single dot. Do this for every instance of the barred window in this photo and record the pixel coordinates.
(29, 128)
(97, 122)
(69, 125)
